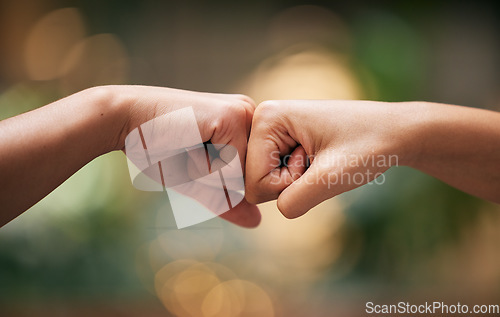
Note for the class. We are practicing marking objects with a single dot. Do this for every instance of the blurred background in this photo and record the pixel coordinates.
(96, 246)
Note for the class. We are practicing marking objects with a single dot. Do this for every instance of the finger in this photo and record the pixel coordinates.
(227, 154)
(250, 110)
(215, 200)
(197, 163)
(237, 138)
(247, 103)
(262, 178)
(271, 185)
(313, 187)
(244, 214)
(201, 163)
(246, 99)
(296, 165)
(269, 142)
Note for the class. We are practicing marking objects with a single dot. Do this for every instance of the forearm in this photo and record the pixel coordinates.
(459, 145)
(40, 149)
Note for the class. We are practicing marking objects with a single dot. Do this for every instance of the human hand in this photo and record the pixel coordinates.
(349, 143)
(222, 120)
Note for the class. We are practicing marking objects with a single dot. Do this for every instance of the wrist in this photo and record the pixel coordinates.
(112, 113)
(407, 134)
(130, 106)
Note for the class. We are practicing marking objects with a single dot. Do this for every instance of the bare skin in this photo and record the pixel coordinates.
(40, 149)
(458, 145)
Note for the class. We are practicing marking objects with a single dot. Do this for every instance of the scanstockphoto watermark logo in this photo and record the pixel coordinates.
(435, 308)
(340, 169)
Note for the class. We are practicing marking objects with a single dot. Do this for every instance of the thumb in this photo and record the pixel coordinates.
(317, 184)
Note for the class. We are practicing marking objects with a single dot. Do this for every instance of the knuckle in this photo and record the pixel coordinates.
(266, 110)
(269, 104)
(239, 112)
(233, 110)
(245, 99)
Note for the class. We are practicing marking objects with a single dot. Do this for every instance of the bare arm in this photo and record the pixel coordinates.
(40, 149)
(351, 143)
(458, 145)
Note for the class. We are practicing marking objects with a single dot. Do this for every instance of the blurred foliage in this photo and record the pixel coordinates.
(407, 221)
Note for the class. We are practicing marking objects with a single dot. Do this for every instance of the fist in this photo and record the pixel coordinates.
(304, 152)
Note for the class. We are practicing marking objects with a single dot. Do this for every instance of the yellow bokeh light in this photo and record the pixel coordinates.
(293, 251)
(237, 298)
(303, 72)
(191, 286)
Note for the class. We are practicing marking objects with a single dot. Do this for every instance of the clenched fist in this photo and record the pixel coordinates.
(303, 152)
(339, 139)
